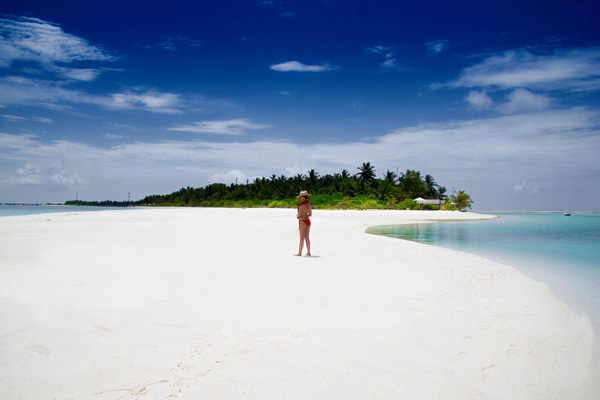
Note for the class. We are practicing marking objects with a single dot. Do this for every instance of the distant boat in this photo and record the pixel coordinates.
(567, 213)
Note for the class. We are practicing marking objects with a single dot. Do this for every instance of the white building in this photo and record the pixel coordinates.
(436, 202)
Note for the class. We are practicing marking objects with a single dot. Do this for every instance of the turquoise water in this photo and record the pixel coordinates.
(563, 251)
(9, 211)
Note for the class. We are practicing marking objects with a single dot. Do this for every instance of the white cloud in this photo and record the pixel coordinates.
(436, 46)
(9, 143)
(479, 100)
(390, 61)
(525, 189)
(294, 170)
(23, 91)
(379, 49)
(522, 100)
(150, 100)
(79, 74)
(519, 100)
(28, 175)
(64, 179)
(53, 177)
(573, 70)
(295, 66)
(13, 118)
(521, 187)
(220, 127)
(42, 119)
(33, 39)
(233, 176)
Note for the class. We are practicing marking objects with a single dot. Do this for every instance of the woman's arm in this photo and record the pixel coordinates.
(304, 211)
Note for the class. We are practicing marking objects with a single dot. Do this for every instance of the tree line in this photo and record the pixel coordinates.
(331, 191)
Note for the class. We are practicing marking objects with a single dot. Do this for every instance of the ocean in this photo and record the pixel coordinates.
(562, 251)
(14, 210)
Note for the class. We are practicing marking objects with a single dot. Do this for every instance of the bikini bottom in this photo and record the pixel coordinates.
(306, 222)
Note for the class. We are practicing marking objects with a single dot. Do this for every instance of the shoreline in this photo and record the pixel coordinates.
(257, 207)
(566, 292)
(189, 301)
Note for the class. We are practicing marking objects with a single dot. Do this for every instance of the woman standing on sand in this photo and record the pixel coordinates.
(304, 213)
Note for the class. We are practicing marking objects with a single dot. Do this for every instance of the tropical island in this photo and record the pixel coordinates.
(340, 191)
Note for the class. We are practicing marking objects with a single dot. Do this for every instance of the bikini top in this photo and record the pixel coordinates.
(301, 204)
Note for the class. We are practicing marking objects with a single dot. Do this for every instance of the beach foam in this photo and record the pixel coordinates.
(210, 303)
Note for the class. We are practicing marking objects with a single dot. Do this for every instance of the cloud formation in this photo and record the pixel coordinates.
(222, 127)
(522, 100)
(54, 177)
(149, 100)
(379, 49)
(32, 39)
(576, 70)
(526, 189)
(479, 100)
(518, 100)
(389, 62)
(295, 66)
(17, 118)
(436, 46)
(13, 118)
(233, 176)
(16, 90)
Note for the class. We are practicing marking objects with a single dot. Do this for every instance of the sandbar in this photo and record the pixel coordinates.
(197, 303)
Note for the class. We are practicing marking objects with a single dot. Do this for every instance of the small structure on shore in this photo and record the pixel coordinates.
(435, 202)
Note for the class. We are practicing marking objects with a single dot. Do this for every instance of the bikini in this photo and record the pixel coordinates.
(306, 221)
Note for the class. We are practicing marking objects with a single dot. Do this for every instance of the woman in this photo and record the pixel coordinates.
(304, 213)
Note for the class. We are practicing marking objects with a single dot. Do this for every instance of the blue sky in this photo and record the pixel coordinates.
(106, 98)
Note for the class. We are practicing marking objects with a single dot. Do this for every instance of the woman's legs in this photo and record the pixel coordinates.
(302, 234)
(304, 237)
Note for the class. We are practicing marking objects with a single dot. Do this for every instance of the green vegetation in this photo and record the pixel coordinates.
(104, 203)
(449, 206)
(461, 200)
(341, 191)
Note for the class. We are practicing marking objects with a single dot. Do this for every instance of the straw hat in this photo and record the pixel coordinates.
(303, 193)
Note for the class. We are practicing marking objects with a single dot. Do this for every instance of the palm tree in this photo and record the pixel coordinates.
(431, 186)
(461, 200)
(367, 172)
(412, 184)
(390, 177)
(385, 190)
(313, 181)
(442, 192)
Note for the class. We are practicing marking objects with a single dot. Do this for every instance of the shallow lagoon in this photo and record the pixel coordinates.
(563, 251)
(15, 210)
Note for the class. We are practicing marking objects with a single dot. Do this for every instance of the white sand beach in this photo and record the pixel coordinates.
(211, 304)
